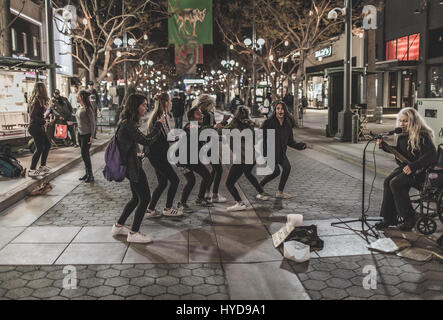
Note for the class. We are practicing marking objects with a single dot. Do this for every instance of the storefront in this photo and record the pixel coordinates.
(328, 56)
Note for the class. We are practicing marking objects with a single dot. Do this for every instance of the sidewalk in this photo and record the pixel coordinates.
(59, 159)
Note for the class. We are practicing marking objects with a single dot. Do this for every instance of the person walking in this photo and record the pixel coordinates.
(415, 143)
(194, 115)
(128, 137)
(206, 104)
(178, 109)
(242, 122)
(237, 101)
(63, 111)
(86, 128)
(157, 154)
(282, 122)
(38, 103)
(95, 102)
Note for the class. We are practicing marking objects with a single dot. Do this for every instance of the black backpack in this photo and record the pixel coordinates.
(10, 167)
(307, 235)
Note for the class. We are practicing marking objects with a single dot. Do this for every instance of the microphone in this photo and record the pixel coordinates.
(385, 134)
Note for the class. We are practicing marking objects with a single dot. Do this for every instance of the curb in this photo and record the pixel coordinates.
(23, 190)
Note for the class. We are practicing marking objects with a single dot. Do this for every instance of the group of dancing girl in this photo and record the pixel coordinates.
(155, 148)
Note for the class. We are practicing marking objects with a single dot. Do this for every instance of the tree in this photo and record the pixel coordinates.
(100, 23)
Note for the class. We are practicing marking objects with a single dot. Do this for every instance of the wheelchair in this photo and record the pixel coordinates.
(428, 204)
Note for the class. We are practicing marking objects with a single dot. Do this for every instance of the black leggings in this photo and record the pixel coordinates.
(202, 171)
(42, 145)
(139, 202)
(83, 140)
(284, 162)
(235, 173)
(396, 201)
(216, 175)
(164, 172)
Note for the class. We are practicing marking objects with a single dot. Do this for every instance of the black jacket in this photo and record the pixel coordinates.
(284, 137)
(424, 157)
(159, 146)
(241, 125)
(128, 138)
(178, 107)
(187, 130)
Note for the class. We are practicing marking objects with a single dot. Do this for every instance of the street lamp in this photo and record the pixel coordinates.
(127, 45)
(229, 64)
(256, 45)
(345, 117)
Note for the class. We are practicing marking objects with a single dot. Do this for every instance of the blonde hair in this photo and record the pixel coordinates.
(159, 108)
(204, 102)
(417, 128)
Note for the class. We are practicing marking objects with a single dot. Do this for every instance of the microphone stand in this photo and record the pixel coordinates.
(363, 218)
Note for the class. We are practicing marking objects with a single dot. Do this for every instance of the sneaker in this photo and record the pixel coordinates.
(44, 169)
(34, 173)
(239, 206)
(262, 196)
(173, 212)
(218, 199)
(184, 207)
(153, 214)
(120, 231)
(384, 224)
(207, 195)
(282, 195)
(138, 237)
(203, 202)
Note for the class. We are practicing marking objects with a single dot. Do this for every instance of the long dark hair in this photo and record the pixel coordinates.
(241, 119)
(85, 97)
(39, 94)
(288, 116)
(130, 110)
(159, 108)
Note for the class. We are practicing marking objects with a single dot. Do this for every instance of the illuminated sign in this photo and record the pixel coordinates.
(194, 81)
(322, 53)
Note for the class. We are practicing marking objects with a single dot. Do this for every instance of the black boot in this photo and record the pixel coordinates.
(408, 224)
(84, 177)
(384, 224)
(90, 177)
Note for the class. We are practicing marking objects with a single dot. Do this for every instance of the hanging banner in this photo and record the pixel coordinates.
(190, 21)
(187, 57)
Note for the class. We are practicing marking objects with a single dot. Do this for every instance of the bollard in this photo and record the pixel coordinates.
(355, 128)
(379, 115)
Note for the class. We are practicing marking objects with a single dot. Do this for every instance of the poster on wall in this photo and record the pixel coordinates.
(190, 21)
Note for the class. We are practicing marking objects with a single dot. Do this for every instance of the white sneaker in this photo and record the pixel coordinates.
(219, 199)
(207, 194)
(44, 169)
(139, 238)
(239, 206)
(282, 195)
(262, 196)
(153, 214)
(120, 231)
(34, 173)
(173, 212)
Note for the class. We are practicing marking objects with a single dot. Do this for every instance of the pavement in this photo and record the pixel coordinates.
(210, 253)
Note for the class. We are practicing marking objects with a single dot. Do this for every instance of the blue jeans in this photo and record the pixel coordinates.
(178, 122)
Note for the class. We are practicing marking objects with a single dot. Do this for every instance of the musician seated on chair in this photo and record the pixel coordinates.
(416, 148)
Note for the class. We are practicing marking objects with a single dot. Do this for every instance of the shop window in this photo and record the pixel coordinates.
(25, 43)
(436, 82)
(404, 49)
(35, 46)
(436, 43)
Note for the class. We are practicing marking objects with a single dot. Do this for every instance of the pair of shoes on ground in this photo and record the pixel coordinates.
(41, 171)
(215, 198)
(133, 237)
(238, 206)
(184, 207)
(282, 195)
(172, 212)
(407, 225)
(206, 202)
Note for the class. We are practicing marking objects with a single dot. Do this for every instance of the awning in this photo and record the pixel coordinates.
(8, 63)
(395, 65)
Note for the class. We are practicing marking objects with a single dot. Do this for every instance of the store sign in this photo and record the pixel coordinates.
(194, 81)
(62, 47)
(325, 52)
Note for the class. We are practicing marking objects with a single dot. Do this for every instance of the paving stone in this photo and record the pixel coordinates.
(205, 289)
(13, 284)
(6, 269)
(339, 283)
(320, 275)
(45, 293)
(334, 294)
(74, 293)
(116, 282)
(139, 297)
(127, 291)
(167, 281)
(217, 280)
(39, 283)
(91, 282)
(218, 296)
(193, 296)
(359, 292)
(179, 273)
(343, 274)
(34, 275)
(156, 273)
(167, 297)
(154, 290)
(18, 293)
(203, 272)
(179, 290)
(192, 281)
(10, 275)
(108, 273)
(100, 291)
(314, 285)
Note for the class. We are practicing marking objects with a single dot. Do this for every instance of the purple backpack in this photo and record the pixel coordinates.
(114, 170)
